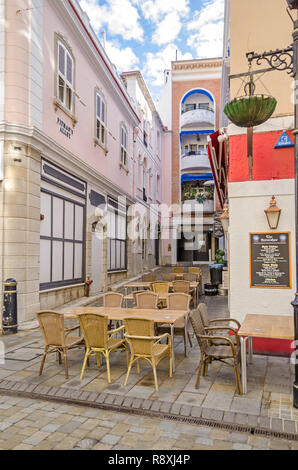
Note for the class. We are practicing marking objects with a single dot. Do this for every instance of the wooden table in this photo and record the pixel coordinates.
(119, 314)
(262, 326)
(147, 285)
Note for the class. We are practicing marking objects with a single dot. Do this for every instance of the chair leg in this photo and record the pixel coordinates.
(238, 380)
(128, 370)
(65, 363)
(206, 364)
(84, 363)
(127, 356)
(138, 366)
(43, 360)
(108, 366)
(199, 373)
(59, 357)
(189, 339)
(155, 376)
(171, 365)
(98, 359)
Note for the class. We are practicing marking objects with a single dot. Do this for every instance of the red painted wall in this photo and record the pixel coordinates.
(269, 163)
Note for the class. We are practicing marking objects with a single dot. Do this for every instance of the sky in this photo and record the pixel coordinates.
(145, 34)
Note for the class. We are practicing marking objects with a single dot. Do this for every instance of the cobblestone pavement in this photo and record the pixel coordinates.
(39, 425)
(268, 403)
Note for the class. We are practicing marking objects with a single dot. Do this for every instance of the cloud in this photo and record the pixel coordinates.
(121, 17)
(207, 27)
(123, 57)
(155, 10)
(157, 63)
(168, 29)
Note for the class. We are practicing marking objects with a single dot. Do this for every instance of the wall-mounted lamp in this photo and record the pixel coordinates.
(273, 214)
(225, 218)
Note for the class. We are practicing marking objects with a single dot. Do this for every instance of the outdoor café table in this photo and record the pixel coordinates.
(147, 285)
(118, 314)
(262, 326)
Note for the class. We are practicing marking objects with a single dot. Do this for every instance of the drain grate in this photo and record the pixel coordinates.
(232, 427)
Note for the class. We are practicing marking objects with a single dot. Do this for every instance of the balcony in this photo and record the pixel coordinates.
(197, 118)
(195, 162)
(193, 205)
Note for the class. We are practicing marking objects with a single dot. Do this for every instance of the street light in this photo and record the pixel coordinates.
(273, 214)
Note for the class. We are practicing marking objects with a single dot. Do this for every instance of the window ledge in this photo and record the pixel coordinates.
(99, 144)
(117, 271)
(58, 105)
(55, 289)
(124, 168)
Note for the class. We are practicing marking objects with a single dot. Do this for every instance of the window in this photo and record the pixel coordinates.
(65, 93)
(124, 158)
(116, 236)
(100, 119)
(61, 240)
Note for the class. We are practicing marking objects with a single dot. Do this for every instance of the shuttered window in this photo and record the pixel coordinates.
(65, 77)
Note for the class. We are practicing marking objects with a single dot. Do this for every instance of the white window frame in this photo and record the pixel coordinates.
(64, 78)
(100, 123)
(124, 145)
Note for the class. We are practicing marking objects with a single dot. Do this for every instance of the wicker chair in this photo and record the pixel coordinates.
(191, 277)
(135, 293)
(56, 337)
(178, 270)
(169, 277)
(229, 353)
(202, 308)
(195, 270)
(98, 339)
(184, 288)
(147, 300)
(161, 288)
(178, 301)
(145, 345)
(113, 300)
(148, 278)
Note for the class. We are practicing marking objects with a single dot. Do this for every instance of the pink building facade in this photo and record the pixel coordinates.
(78, 150)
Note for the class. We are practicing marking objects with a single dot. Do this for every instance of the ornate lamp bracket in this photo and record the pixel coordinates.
(280, 59)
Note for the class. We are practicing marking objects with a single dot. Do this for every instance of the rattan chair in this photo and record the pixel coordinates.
(113, 299)
(170, 277)
(178, 301)
(161, 288)
(191, 277)
(148, 278)
(202, 308)
(178, 270)
(184, 288)
(135, 293)
(195, 270)
(229, 353)
(56, 337)
(145, 345)
(147, 300)
(98, 339)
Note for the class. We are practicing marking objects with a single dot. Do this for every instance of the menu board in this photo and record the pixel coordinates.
(270, 264)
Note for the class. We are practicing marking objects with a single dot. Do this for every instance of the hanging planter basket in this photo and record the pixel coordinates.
(250, 111)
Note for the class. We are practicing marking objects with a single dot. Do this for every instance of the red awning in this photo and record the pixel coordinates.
(218, 157)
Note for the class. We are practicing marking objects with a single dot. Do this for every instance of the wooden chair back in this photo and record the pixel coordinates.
(181, 286)
(136, 328)
(146, 300)
(52, 328)
(113, 299)
(148, 277)
(178, 270)
(95, 329)
(178, 301)
(160, 287)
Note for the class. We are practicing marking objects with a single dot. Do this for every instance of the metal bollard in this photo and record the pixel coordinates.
(10, 313)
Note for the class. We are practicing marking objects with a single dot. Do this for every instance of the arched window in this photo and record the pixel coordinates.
(65, 77)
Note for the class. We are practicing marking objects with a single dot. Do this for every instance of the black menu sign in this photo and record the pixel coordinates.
(270, 264)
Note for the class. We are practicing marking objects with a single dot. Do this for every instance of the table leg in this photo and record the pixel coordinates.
(250, 350)
(185, 335)
(173, 353)
(243, 364)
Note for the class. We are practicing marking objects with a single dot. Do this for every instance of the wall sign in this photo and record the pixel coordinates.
(284, 142)
(64, 128)
(270, 262)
